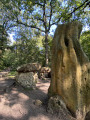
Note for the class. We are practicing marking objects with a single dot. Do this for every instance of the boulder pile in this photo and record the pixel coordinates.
(45, 72)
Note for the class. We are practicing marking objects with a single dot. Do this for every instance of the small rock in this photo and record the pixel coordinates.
(56, 104)
(38, 102)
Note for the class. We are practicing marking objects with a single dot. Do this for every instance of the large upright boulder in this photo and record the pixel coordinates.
(70, 70)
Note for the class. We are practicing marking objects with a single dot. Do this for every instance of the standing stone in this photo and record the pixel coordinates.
(70, 70)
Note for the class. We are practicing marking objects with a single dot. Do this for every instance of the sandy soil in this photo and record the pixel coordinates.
(16, 103)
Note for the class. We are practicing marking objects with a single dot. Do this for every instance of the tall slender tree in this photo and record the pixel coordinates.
(3, 38)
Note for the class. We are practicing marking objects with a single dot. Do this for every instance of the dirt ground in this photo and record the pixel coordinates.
(17, 103)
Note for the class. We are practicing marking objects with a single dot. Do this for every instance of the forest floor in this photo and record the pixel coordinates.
(17, 103)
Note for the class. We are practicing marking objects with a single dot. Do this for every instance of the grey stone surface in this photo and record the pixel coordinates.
(27, 80)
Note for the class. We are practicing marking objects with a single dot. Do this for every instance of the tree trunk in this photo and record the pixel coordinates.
(16, 48)
(46, 49)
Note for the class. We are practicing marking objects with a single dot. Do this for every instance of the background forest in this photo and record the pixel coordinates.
(32, 24)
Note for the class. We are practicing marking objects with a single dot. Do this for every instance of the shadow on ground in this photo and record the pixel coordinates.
(18, 104)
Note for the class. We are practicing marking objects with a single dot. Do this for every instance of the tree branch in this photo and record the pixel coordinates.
(44, 16)
(37, 18)
(56, 21)
(86, 2)
(75, 9)
(32, 26)
(50, 15)
(38, 4)
(14, 25)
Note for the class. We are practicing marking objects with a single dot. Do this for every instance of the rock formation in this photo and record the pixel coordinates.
(27, 75)
(27, 80)
(70, 70)
(55, 104)
(30, 67)
(45, 72)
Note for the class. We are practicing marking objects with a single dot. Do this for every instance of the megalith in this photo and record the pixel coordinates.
(70, 70)
(28, 75)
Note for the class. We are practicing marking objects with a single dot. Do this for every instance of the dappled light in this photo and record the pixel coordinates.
(18, 103)
(44, 59)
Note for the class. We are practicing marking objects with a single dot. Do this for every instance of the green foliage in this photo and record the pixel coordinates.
(13, 60)
(3, 38)
(3, 45)
(9, 59)
(12, 73)
(22, 52)
(1, 64)
(41, 45)
(39, 16)
(85, 42)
